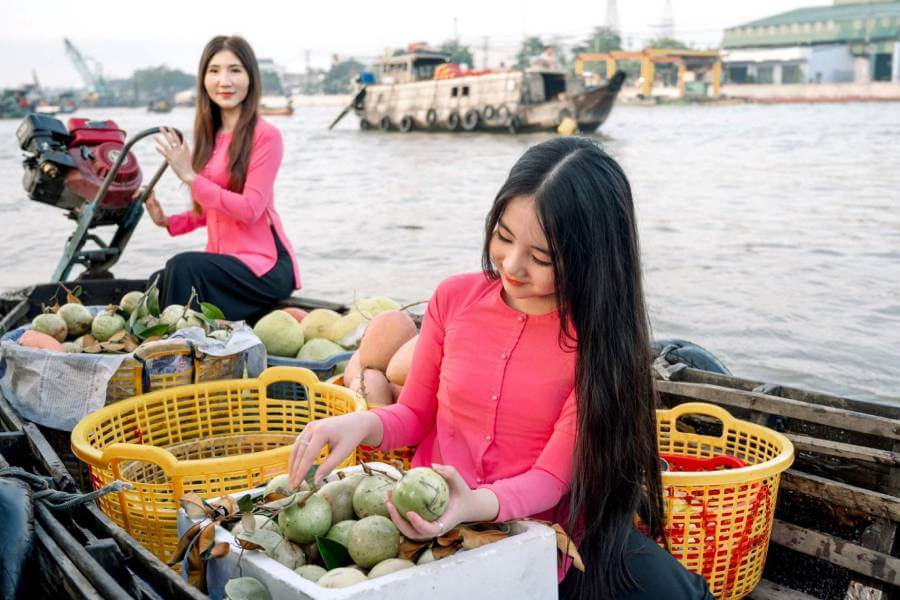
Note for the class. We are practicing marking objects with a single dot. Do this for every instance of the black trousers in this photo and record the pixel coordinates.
(658, 575)
(226, 282)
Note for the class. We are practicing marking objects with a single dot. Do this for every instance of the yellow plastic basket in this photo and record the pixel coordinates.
(718, 523)
(211, 438)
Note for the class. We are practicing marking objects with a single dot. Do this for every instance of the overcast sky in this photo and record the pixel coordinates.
(124, 36)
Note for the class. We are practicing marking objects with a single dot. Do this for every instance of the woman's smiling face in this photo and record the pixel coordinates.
(226, 80)
(519, 251)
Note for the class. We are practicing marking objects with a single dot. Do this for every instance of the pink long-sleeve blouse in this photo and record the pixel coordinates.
(238, 223)
(491, 392)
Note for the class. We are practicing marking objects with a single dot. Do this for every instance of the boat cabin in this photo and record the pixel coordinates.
(407, 68)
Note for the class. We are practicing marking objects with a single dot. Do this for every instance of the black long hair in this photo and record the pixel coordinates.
(584, 204)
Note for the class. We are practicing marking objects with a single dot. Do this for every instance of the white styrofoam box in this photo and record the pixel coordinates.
(520, 566)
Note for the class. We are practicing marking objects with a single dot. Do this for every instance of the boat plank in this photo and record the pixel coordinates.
(853, 557)
(67, 574)
(841, 450)
(842, 494)
(766, 590)
(823, 415)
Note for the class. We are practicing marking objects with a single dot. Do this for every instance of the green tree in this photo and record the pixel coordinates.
(459, 54)
(160, 82)
(603, 39)
(667, 42)
(271, 83)
(339, 78)
(532, 46)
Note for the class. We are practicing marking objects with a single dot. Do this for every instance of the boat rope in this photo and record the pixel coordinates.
(57, 499)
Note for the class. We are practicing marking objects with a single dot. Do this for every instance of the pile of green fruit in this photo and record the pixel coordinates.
(340, 534)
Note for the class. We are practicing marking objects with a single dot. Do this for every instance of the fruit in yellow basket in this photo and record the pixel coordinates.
(370, 497)
(422, 490)
(319, 349)
(77, 317)
(400, 363)
(105, 325)
(352, 370)
(281, 333)
(372, 540)
(301, 524)
(317, 323)
(370, 307)
(348, 330)
(311, 572)
(384, 336)
(297, 313)
(51, 324)
(373, 386)
(341, 577)
(287, 553)
(246, 588)
(390, 565)
(340, 496)
(340, 531)
(130, 302)
(41, 341)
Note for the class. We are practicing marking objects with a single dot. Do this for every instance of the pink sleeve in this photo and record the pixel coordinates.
(543, 486)
(407, 422)
(184, 222)
(259, 187)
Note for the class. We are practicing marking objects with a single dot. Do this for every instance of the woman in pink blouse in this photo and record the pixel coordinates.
(530, 390)
(249, 263)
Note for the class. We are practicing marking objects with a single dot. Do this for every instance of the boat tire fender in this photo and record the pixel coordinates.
(364, 124)
(690, 354)
(431, 117)
(515, 124)
(407, 124)
(488, 112)
(385, 123)
(563, 115)
(503, 113)
(471, 120)
(454, 121)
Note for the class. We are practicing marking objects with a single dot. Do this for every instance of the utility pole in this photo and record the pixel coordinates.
(484, 60)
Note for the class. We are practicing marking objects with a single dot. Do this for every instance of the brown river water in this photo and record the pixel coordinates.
(770, 234)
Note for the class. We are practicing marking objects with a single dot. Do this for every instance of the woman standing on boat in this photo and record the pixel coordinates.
(249, 263)
(532, 379)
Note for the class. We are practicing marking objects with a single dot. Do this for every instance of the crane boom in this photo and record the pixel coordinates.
(93, 81)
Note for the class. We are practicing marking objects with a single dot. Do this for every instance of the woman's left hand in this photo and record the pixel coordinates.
(465, 505)
(177, 154)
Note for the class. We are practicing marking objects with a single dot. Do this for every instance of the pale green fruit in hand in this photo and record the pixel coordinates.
(317, 322)
(390, 565)
(301, 524)
(281, 333)
(370, 497)
(77, 317)
(319, 349)
(422, 490)
(51, 324)
(340, 531)
(130, 302)
(372, 540)
(105, 325)
(281, 485)
(341, 578)
(310, 572)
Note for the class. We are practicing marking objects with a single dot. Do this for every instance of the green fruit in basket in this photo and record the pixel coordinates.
(348, 330)
(131, 301)
(423, 491)
(288, 553)
(51, 324)
(317, 322)
(191, 319)
(77, 317)
(319, 349)
(372, 540)
(340, 496)
(370, 497)
(375, 305)
(171, 314)
(340, 532)
(390, 565)
(310, 572)
(341, 577)
(301, 524)
(105, 325)
(246, 588)
(281, 333)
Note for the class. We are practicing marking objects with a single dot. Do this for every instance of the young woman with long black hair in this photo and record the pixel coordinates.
(532, 379)
(249, 263)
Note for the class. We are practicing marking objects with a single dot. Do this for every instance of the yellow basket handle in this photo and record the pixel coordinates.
(702, 409)
(120, 451)
(304, 377)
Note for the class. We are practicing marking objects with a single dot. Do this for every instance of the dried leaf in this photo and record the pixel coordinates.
(444, 551)
(93, 349)
(219, 550)
(89, 340)
(207, 538)
(410, 549)
(196, 570)
(227, 504)
(55, 308)
(568, 548)
(117, 336)
(245, 542)
(194, 506)
(453, 536)
(130, 344)
(474, 539)
(184, 543)
(112, 346)
(72, 298)
(152, 338)
(248, 522)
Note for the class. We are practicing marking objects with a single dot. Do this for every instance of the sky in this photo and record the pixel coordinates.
(123, 37)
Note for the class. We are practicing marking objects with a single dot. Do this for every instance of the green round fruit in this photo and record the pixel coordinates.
(246, 588)
(105, 325)
(280, 332)
(310, 572)
(301, 524)
(390, 565)
(130, 302)
(372, 540)
(422, 490)
(51, 324)
(288, 553)
(319, 349)
(77, 317)
(370, 497)
(340, 496)
(341, 578)
(171, 314)
(340, 532)
(427, 557)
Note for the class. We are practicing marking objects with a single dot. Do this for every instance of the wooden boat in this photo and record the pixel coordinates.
(276, 106)
(421, 90)
(835, 533)
(159, 105)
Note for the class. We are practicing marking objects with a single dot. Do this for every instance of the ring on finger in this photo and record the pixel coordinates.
(300, 440)
(441, 525)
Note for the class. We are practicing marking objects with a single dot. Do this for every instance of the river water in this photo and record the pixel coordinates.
(770, 234)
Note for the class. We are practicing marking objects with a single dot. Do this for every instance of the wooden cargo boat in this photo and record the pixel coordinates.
(835, 531)
(410, 92)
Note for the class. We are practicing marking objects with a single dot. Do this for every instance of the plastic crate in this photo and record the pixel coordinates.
(212, 438)
(324, 369)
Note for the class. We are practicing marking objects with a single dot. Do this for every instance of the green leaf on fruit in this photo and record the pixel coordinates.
(211, 311)
(153, 301)
(310, 476)
(245, 503)
(333, 553)
(155, 331)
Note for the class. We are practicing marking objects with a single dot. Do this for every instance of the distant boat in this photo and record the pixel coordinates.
(422, 90)
(160, 106)
(276, 106)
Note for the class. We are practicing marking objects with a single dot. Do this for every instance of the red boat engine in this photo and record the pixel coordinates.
(66, 167)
